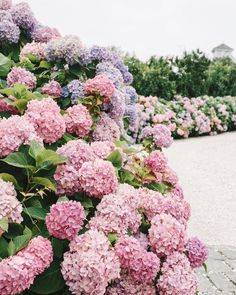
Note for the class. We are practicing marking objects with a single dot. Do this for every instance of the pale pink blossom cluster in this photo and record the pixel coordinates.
(45, 116)
(106, 129)
(102, 149)
(20, 75)
(166, 235)
(35, 48)
(77, 152)
(100, 85)
(90, 264)
(52, 88)
(160, 133)
(65, 219)
(170, 176)
(153, 203)
(177, 276)
(78, 120)
(127, 286)
(197, 252)
(14, 132)
(98, 178)
(5, 4)
(141, 265)
(67, 179)
(10, 207)
(116, 214)
(156, 161)
(44, 34)
(18, 272)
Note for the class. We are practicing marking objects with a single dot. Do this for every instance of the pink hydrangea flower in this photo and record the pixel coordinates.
(45, 116)
(156, 161)
(98, 178)
(177, 276)
(20, 75)
(78, 120)
(67, 179)
(160, 133)
(90, 264)
(127, 286)
(77, 152)
(106, 129)
(65, 219)
(115, 214)
(170, 176)
(5, 107)
(197, 252)
(10, 207)
(102, 149)
(45, 34)
(100, 85)
(166, 235)
(18, 272)
(34, 48)
(142, 266)
(5, 4)
(14, 132)
(53, 88)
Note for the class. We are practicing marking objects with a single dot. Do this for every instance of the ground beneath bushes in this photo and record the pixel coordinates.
(220, 277)
(207, 170)
(206, 167)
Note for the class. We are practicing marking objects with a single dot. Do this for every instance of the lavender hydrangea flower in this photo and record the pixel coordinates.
(98, 53)
(131, 92)
(111, 72)
(75, 89)
(9, 32)
(44, 34)
(116, 107)
(68, 48)
(23, 16)
(131, 114)
(5, 16)
(5, 4)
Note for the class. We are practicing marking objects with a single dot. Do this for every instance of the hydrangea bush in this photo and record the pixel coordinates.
(82, 210)
(184, 116)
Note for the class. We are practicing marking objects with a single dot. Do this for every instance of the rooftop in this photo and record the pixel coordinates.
(222, 47)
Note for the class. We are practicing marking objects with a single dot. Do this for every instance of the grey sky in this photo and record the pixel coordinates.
(146, 27)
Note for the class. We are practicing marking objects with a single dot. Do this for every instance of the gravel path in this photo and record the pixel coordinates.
(207, 170)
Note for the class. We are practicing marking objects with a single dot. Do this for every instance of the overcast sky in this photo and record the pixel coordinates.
(145, 27)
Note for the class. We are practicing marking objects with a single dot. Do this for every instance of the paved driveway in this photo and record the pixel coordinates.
(207, 170)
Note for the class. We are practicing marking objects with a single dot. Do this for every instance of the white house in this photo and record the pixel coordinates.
(223, 50)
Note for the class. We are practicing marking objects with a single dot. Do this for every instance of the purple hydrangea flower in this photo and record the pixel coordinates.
(131, 114)
(9, 32)
(44, 34)
(75, 89)
(131, 92)
(111, 72)
(23, 16)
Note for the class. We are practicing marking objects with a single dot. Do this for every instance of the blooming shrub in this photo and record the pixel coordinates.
(184, 116)
(82, 210)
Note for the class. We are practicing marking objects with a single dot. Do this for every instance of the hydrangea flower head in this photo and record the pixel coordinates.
(20, 75)
(65, 219)
(197, 252)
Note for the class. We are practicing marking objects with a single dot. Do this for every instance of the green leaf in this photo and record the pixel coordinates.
(49, 155)
(44, 65)
(68, 137)
(35, 149)
(3, 248)
(112, 238)
(205, 267)
(44, 182)
(50, 281)
(84, 200)
(19, 160)
(116, 159)
(126, 176)
(63, 199)
(14, 230)
(4, 224)
(157, 187)
(11, 249)
(5, 65)
(21, 242)
(37, 213)
(11, 178)
(57, 246)
(20, 104)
